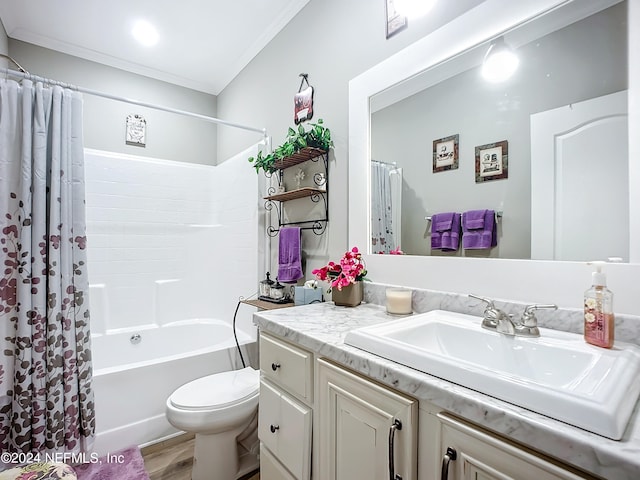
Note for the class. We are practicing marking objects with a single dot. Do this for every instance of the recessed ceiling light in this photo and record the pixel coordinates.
(145, 33)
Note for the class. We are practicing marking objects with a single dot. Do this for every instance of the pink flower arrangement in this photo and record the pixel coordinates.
(397, 251)
(350, 270)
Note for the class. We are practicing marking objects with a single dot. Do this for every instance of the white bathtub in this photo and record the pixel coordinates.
(132, 381)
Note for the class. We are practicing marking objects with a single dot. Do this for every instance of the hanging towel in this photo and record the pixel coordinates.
(445, 231)
(479, 229)
(289, 255)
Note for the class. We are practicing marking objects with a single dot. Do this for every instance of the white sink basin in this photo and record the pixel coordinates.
(557, 375)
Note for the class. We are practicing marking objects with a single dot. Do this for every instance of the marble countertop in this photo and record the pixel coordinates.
(322, 327)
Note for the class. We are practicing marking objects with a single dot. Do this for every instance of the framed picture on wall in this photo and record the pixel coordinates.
(445, 154)
(395, 21)
(492, 161)
(136, 130)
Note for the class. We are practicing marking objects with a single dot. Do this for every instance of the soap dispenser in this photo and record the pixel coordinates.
(599, 322)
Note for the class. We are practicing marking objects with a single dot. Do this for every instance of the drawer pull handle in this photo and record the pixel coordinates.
(397, 425)
(275, 366)
(274, 428)
(451, 455)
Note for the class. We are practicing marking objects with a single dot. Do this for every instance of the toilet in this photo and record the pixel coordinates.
(221, 410)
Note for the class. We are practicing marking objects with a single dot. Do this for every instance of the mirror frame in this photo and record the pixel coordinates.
(539, 281)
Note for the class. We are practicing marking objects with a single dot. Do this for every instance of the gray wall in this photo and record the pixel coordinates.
(333, 41)
(585, 60)
(169, 136)
(4, 45)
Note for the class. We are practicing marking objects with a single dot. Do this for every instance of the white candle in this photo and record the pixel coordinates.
(399, 301)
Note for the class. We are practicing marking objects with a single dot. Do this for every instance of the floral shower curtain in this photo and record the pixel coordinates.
(386, 185)
(46, 399)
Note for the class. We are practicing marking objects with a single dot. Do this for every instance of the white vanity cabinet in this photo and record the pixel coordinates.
(365, 431)
(359, 425)
(467, 452)
(285, 412)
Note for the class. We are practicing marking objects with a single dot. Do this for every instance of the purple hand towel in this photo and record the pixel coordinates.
(445, 231)
(289, 255)
(479, 229)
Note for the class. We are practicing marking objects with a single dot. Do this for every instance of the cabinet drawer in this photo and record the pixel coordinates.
(284, 427)
(288, 366)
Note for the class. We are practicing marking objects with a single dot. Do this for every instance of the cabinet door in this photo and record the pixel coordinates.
(270, 468)
(284, 427)
(481, 456)
(356, 428)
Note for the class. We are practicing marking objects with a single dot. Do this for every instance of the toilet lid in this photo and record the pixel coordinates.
(217, 391)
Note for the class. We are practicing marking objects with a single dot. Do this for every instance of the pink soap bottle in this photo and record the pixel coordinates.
(599, 324)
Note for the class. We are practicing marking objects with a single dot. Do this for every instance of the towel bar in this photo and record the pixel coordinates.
(498, 216)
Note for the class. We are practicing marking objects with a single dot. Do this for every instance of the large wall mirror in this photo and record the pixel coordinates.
(562, 118)
(437, 79)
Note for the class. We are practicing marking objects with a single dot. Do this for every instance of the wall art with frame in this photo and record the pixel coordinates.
(445, 154)
(395, 21)
(492, 161)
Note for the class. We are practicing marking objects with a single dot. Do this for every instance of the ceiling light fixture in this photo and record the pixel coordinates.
(145, 33)
(414, 8)
(500, 62)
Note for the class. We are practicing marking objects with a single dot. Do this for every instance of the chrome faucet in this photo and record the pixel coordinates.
(496, 319)
(501, 322)
(528, 325)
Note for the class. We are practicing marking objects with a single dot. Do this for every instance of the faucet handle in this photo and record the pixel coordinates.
(529, 317)
(491, 315)
(488, 301)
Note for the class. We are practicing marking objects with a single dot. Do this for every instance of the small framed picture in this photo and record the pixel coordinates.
(395, 21)
(136, 130)
(445, 154)
(492, 161)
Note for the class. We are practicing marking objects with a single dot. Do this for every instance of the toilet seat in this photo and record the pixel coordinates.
(218, 409)
(217, 391)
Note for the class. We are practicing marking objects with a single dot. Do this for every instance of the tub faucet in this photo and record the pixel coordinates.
(496, 319)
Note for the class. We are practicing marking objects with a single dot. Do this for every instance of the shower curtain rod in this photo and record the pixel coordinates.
(12, 60)
(391, 164)
(96, 93)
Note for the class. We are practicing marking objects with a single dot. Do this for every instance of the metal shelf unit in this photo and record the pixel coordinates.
(317, 193)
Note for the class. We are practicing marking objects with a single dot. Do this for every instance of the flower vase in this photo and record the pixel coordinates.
(349, 296)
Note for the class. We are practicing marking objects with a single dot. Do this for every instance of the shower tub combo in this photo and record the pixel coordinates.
(159, 235)
(132, 387)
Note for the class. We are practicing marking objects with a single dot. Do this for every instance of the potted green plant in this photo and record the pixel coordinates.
(315, 136)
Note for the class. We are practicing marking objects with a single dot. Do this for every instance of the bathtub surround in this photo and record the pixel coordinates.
(163, 231)
(172, 248)
(45, 372)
